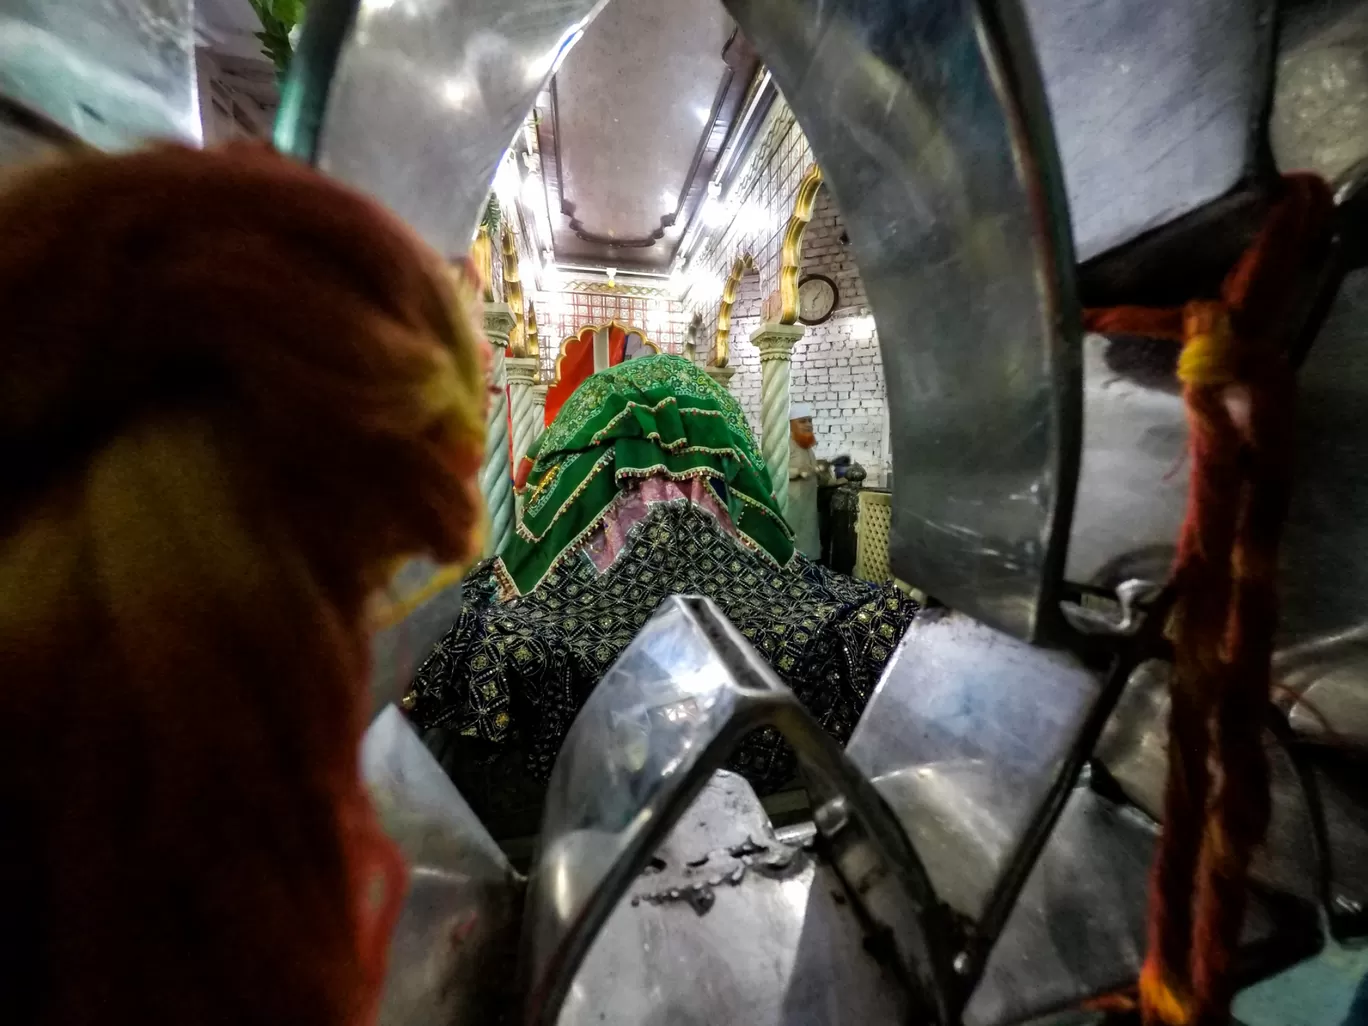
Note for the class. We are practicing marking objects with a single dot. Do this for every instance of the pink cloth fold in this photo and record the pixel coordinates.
(608, 540)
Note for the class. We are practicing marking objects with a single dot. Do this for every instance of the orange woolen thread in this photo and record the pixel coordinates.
(1238, 391)
(232, 394)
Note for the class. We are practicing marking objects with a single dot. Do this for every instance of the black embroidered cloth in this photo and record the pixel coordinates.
(499, 692)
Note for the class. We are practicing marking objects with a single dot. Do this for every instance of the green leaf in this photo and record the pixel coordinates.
(493, 216)
(278, 18)
(291, 12)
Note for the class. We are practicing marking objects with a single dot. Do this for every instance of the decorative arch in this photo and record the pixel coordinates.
(791, 255)
(722, 347)
(575, 360)
(513, 293)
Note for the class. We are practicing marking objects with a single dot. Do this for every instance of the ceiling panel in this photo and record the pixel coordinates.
(640, 109)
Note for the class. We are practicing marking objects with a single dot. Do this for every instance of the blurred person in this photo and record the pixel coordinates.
(804, 477)
(232, 395)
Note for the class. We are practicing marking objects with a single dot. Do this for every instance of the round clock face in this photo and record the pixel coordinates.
(817, 298)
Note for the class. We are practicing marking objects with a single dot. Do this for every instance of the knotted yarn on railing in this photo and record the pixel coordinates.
(1238, 386)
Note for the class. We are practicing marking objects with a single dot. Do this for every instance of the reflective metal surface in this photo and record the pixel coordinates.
(642, 747)
(1334, 708)
(1132, 482)
(1079, 929)
(1134, 748)
(425, 98)
(1319, 120)
(114, 73)
(1133, 485)
(729, 924)
(454, 947)
(1340, 785)
(1155, 105)
(964, 737)
(930, 126)
(1324, 572)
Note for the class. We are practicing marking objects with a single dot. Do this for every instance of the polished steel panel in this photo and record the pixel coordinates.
(1133, 484)
(729, 924)
(1134, 750)
(1156, 106)
(1324, 565)
(930, 126)
(1133, 480)
(114, 73)
(965, 735)
(1078, 930)
(645, 744)
(1340, 785)
(1334, 708)
(453, 949)
(425, 97)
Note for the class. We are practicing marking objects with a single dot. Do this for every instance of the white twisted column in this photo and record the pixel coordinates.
(775, 342)
(721, 375)
(521, 372)
(496, 481)
(539, 410)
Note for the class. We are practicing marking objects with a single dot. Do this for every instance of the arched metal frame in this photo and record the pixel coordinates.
(931, 129)
(740, 267)
(607, 812)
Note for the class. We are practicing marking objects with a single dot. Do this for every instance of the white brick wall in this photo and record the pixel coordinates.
(836, 365)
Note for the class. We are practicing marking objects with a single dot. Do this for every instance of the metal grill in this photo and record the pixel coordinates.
(871, 531)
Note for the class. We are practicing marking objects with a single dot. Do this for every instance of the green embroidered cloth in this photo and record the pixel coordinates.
(652, 415)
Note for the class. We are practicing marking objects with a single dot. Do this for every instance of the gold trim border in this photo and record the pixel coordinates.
(791, 254)
(722, 344)
(513, 293)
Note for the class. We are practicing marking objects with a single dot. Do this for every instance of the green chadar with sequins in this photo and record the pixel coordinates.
(653, 415)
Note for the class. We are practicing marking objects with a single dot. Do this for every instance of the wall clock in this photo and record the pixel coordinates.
(817, 299)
